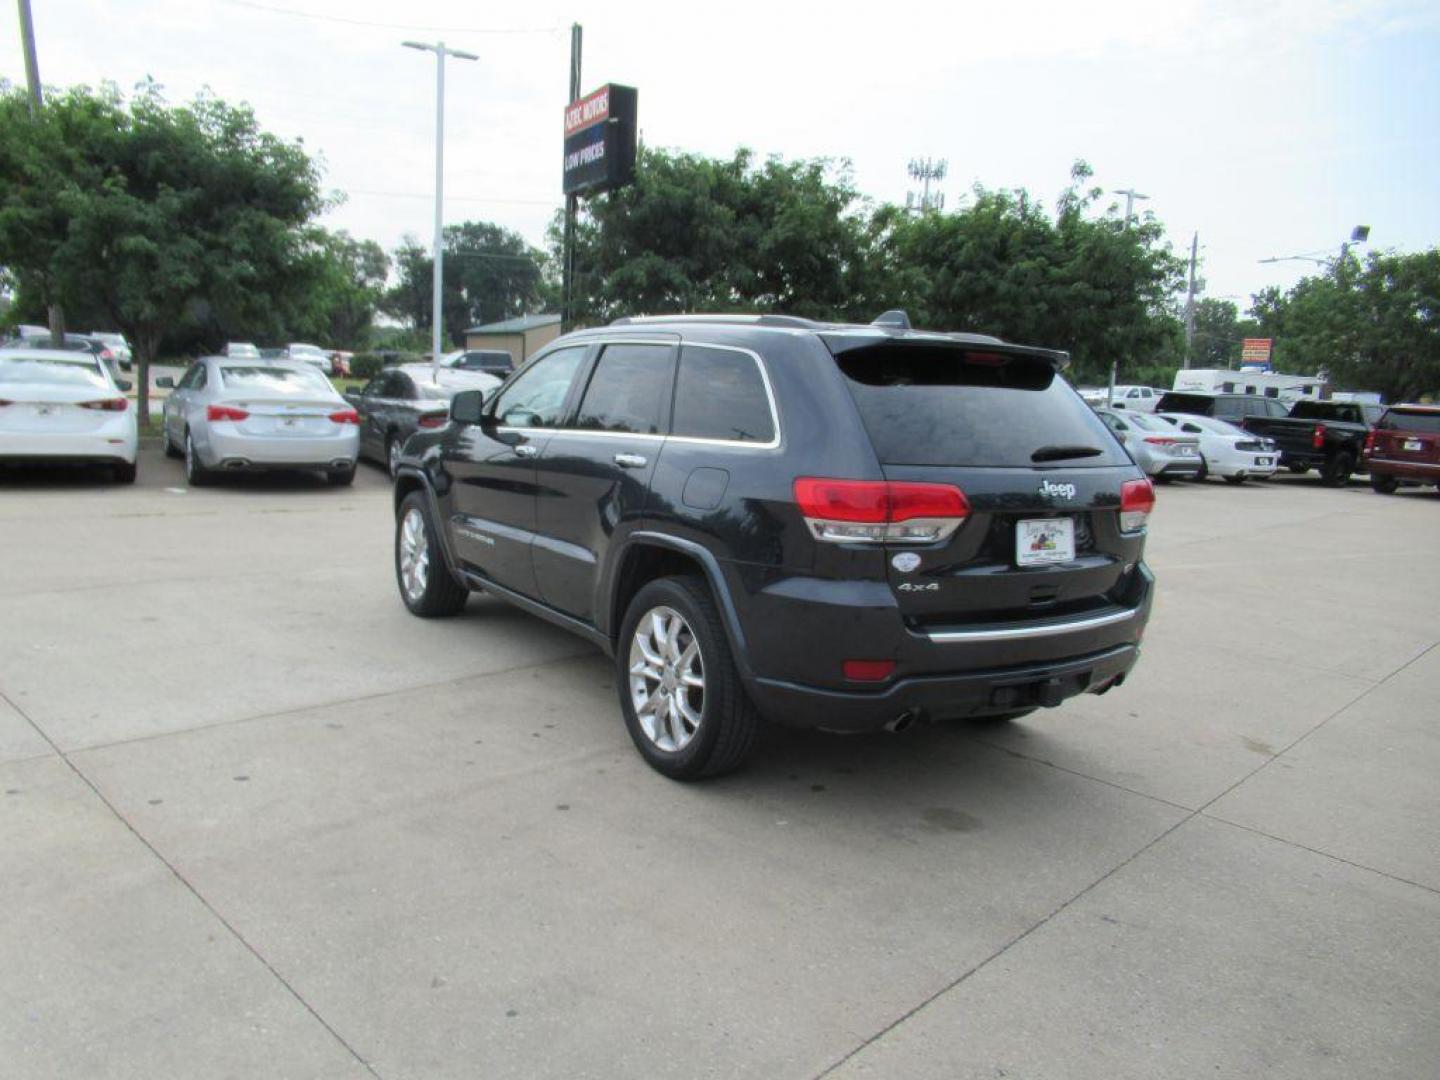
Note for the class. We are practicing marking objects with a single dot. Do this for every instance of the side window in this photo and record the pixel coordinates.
(403, 387)
(629, 391)
(537, 396)
(1116, 424)
(188, 382)
(1277, 408)
(1228, 387)
(1134, 393)
(373, 387)
(1193, 429)
(199, 383)
(720, 394)
(1272, 391)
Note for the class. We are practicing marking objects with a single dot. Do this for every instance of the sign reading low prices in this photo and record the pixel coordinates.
(1255, 350)
(600, 136)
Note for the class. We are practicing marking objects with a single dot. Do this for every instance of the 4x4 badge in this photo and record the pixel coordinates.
(1058, 491)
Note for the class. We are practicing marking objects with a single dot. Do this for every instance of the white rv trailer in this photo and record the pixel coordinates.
(1271, 384)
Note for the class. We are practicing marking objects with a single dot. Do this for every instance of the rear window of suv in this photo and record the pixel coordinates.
(1400, 420)
(928, 405)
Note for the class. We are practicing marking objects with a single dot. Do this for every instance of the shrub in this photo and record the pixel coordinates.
(365, 365)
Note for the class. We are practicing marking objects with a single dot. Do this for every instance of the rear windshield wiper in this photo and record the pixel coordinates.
(1062, 453)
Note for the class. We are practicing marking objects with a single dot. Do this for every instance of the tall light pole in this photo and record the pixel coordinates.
(1190, 301)
(437, 312)
(1130, 196)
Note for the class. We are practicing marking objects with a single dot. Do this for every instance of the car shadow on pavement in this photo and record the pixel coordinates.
(73, 477)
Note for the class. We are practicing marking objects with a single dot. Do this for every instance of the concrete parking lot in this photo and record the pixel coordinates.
(257, 821)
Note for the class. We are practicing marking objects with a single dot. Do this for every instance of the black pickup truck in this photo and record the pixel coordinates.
(1324, 435)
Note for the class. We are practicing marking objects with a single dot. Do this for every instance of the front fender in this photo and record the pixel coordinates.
(411, 478)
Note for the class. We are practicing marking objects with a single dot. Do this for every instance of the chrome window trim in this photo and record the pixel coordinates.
(774, 442)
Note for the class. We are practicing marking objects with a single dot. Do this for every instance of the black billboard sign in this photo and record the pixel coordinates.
(600, 135)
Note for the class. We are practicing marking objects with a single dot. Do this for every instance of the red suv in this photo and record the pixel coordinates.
(1404, 448)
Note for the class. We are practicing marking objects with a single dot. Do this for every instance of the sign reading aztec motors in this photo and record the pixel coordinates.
(600, 133)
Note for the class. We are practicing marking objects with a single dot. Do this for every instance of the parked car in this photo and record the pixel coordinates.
(229, 414)
(65, 405)
(495, 362)
(1404, 448)
(1131, 398)
(845, 527)
(1325, 435)
(244, 350)
(1237, 409)
(310, 354)
(1156, 446)
(73, 342)
(1226, 450)
(117, 345)
(392, 407)
(447, 381)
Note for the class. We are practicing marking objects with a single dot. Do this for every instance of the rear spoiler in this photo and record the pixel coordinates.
(840, 342)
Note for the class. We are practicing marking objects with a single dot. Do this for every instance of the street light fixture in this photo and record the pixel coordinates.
(1130, 196)
(441, 52)
(1358, 235)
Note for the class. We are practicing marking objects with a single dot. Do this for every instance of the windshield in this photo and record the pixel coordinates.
(275, 380)
(941, 405)
(26, 369)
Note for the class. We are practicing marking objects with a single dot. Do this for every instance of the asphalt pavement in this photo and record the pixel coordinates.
(258, 821)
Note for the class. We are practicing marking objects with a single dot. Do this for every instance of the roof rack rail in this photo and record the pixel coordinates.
(793, 322)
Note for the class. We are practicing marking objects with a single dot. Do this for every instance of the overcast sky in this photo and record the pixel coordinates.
(1271, 128)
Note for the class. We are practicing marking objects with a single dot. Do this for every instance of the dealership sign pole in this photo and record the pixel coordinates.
(572, 202)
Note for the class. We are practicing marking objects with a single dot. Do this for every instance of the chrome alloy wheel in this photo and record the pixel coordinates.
(393, 456)
(667, 679)
(414, 555)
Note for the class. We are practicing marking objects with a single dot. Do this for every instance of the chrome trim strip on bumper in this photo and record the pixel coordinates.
(1020, 633)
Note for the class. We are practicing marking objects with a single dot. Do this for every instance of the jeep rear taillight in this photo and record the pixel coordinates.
(1137, 499)
(877, 511)
(1318, 439)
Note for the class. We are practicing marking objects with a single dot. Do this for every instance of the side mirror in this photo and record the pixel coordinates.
(165, 382)
(124, 384)
(467, 407)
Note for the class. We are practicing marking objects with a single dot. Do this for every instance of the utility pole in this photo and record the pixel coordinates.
(924, 170)
(1130, 196)
(32, 66)
(1190, 302)
(32, 80)
(572, 201)
(437, 332)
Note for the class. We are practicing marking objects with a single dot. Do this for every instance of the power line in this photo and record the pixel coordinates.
(458, 198)
(386, 25)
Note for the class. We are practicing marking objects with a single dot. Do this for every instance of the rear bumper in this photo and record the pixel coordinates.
(1178, 468)
(1425, 472)
(976, 693)
(799, 632)
(102, 446)
(243, 452)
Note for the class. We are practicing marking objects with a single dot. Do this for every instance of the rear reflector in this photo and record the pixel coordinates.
(433, 420)
(1137, 499)
(115, 404)
(868, 670)
(345, 416)
(225, 412)
(874, 511)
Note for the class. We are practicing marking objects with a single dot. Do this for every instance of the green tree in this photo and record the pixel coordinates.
(1369, 326)
(491, 273)
(346, 284)
(695, 233)
(1218, 333)
(170, 212)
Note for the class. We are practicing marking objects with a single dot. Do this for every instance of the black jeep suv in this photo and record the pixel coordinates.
(836, 526)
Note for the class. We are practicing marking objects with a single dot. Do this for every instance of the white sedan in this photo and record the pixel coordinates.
(65, 406)
(1226, 450)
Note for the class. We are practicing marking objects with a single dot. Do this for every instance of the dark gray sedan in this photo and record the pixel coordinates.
(392, 407)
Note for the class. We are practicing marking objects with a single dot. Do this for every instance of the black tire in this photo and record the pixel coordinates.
(440, 594)
(196, 474)
(1384, 485)
(1204, 469)
(341, 477)
(171, 450)
(1237, 480)
(1337, 469)
(728, 722)
(124, 472)
(1297, 467)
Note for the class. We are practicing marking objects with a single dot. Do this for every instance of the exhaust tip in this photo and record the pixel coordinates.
(901, 722)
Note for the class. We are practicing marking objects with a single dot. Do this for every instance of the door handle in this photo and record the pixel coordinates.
(525, 450)
(630, 461)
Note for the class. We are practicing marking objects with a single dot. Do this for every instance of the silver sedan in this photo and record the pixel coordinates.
(231, 414)
(1155, 445)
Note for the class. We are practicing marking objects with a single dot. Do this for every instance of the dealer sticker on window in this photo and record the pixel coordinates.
(1048, 540)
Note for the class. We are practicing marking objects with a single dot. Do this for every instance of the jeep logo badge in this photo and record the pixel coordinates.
(1057, 491)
